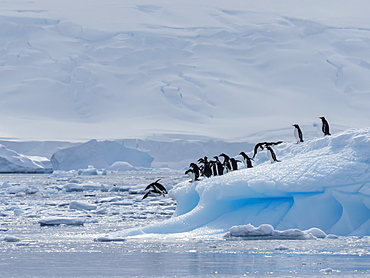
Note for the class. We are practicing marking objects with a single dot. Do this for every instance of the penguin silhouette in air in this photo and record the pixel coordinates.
(325, 126)
(298, 133)
(155, 189)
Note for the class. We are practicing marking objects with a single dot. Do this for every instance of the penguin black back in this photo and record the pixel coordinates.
(247, 160)
(325, 126)
(298, 133)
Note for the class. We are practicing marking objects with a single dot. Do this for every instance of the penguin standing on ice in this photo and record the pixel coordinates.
(271, 154)
(234, 164)
(298, 133)
(262, 145)
(258, 147)
(195, 169)
(325, 126)
(226, 163)
(218, 165)
(246, 160)
(207, 171)
(191, 174)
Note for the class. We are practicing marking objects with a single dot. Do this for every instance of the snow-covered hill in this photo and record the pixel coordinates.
(235, 70)
(322, 183)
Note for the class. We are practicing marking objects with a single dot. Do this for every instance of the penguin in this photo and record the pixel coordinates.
(213, 166)
(325, 126)
(155, 189)
(262, 145)
(226, 164)
(234, 164)
(298, 133)
(218, 164)
(196, 170)
(271, 154)
(207, 171)
(258, 147)
(247, 160)
(191, 174)
(152, 193)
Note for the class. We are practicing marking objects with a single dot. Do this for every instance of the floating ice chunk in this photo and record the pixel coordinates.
(108, 239)
(109, 199)
(316, 232)
(122, 166)
(11, 239)
(328, 270)
(75, 187)
(89, 171)
(54, 221)
(249, 230)
(281, 248)
(81, 206)
(268, 231)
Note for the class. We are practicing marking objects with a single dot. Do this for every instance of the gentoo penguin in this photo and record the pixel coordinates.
(207, 171)
(258, 147)
(246, 160)
(206, 167)
(195, 169)
(157, 186)
(218, 165)
(226, 164)
(155, 189)
(262, 145)
(325, 126)
(234, 164)
(271, 155)
(298, 133)
(191, 174)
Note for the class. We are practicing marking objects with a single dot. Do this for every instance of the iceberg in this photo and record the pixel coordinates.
(323, 183)
(99, 154)
(13, 162)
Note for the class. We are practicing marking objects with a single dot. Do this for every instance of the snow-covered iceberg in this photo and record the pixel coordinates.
(13, 162)
(100, 154)
(322, 183)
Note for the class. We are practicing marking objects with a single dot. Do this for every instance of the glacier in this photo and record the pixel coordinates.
(322, 183)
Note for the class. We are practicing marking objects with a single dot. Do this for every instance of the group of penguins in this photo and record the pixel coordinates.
(215, 167)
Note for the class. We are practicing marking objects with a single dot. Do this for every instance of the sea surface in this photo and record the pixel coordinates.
(28, 249)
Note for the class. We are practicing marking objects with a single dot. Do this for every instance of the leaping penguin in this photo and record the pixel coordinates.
(298, 133)
(271, 155)
(325, 126)
(246, 160)
(155, 189)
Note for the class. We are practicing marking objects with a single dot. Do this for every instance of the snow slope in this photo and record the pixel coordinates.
(322, 183)
(228, 70)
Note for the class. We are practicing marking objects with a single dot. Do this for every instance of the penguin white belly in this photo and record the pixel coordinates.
(296, 135)
(269, 155)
